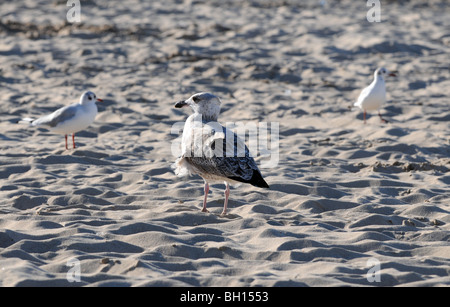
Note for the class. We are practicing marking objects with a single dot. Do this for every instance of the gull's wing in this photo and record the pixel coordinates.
(57, 117)
(363, 95)
(224, 154)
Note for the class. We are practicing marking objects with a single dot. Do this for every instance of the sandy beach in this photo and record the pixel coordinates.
(349, 204)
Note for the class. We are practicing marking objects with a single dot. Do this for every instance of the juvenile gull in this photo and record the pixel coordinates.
(212, 151)
(69, 119)
(374, 96)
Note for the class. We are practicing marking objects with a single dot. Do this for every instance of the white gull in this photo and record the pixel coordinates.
(69, 119)
(374, 95)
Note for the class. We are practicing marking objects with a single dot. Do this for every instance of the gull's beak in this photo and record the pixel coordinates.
(393, 73)
(100, 100)
(181, 104)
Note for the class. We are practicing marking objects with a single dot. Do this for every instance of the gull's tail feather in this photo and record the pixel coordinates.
(357, 103)
(182, 168)
(354, 106)
(26, 120)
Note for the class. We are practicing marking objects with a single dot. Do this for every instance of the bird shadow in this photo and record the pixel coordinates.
(229, 216)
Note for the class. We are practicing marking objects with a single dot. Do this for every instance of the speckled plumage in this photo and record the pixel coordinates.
(212, 151)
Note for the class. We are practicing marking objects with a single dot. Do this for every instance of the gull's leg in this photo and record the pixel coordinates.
(206, 197)
(227, 194)
(364, 116)
(382, 119)
(67, 148)
(73, 140)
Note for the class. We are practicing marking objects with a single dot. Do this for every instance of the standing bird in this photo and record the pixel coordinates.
(374, 96)
(212, 151)
(70, 119)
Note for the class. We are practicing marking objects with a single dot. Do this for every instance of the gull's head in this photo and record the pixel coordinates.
(206, 104)
(88, 98)
(383, 72)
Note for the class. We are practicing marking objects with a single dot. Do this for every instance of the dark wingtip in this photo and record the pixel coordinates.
(266, 186)
(257, 180)
(262, 184)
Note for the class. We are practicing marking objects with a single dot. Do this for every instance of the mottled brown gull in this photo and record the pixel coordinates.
(212, 151)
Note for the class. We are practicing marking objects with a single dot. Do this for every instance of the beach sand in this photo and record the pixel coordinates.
(349, 204)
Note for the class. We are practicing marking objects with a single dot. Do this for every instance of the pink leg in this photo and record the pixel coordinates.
(225, 204)
(206, 197)
(73, 140)
(382, 119)
(67, 148)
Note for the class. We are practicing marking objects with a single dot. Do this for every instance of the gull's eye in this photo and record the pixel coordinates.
(196, 99)
(89, 97)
